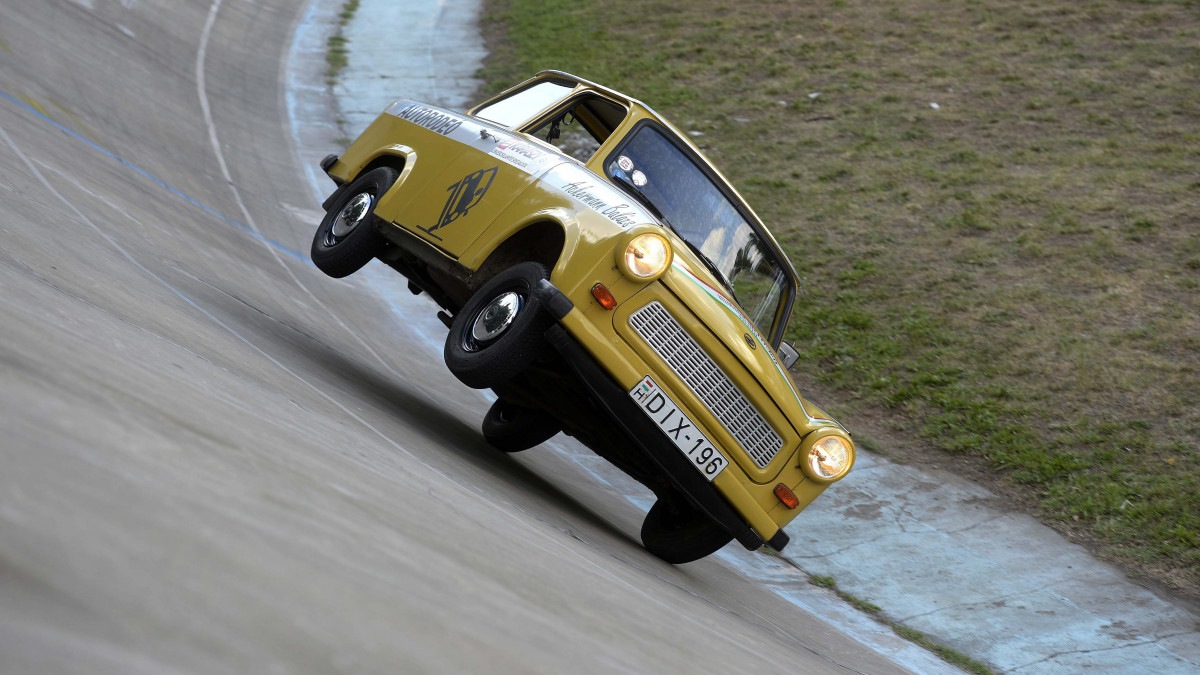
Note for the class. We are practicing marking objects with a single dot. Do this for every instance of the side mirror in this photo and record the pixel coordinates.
(788, 354)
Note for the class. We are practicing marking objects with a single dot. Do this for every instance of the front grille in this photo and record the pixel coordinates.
(707, 381)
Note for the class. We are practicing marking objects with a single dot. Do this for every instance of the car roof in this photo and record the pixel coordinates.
(641, 110)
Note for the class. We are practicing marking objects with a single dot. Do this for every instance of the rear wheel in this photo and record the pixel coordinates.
(513, 428)
(678, 533)
(500, 330)
(347, 239)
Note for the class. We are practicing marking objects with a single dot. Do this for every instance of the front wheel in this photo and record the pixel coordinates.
(679, 533)
(500, 330)
(347, 240)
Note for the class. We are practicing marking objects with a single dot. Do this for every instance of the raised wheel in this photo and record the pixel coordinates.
(347, 239)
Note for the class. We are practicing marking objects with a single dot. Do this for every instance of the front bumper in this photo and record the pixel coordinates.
(641, 431)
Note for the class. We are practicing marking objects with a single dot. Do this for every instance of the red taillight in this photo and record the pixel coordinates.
(604, 296)
(786, 496)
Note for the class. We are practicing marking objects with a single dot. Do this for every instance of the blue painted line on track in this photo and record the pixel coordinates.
(279, 246)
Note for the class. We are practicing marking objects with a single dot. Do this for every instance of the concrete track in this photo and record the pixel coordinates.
(214, 459)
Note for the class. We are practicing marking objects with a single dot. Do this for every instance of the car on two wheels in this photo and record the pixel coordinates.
(602, 277)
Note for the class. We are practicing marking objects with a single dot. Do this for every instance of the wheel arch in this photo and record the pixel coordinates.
(542, 239)
(398, 157)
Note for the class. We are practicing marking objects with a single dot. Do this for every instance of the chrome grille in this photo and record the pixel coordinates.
(707, 381)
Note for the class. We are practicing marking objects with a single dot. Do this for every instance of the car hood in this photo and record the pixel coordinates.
(695, 286)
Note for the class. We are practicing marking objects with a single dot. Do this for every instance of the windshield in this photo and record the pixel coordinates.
(701, 213)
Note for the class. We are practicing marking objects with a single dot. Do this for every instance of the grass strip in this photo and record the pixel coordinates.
(336, 54)
(947, 654)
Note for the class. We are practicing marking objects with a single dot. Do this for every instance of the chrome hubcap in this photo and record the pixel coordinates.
(352, 214)
(495, 318)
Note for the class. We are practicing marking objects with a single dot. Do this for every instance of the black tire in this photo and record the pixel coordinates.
(678, 533)
(497, 357)
(342, 246)
(513, 428)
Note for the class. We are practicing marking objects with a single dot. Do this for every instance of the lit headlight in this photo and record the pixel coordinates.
(828, 459)
(645, 256)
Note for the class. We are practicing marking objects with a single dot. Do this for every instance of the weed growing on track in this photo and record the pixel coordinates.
(831, 584)
(994, 208)
(947, 654)
(336, 55)
(912, 635)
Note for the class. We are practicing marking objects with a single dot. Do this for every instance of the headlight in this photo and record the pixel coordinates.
(828, 459)
(645, 256)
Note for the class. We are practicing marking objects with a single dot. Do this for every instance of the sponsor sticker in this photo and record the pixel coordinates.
(605, 201)
(430, 118)
(522, 154)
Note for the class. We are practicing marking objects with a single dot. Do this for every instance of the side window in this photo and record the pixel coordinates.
(525, 104)
(581, 127)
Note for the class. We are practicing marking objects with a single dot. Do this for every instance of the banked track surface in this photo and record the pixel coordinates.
(214, 459)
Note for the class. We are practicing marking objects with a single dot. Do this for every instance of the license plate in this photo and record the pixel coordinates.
(679, 428)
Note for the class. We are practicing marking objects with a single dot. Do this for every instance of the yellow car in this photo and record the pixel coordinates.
(605, 280)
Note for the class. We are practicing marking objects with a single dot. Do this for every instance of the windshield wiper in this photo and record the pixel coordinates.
(712, 266)
(645, 201)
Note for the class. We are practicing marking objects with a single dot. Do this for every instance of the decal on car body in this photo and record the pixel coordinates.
(431, 119)
(553, 168)
(523, 155)
(583, 187)
(464, 194)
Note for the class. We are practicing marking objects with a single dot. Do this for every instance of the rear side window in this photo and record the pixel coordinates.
(581, 127)
(525, 104)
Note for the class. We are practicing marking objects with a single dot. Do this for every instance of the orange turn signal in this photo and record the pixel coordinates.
(604, 296)
(786, 496)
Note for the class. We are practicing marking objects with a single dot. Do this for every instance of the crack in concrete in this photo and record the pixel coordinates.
(858, 544)
(985, 601)
(980, 523)
(1141, 643)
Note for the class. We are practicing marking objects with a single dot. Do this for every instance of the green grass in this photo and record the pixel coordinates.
(831, 584)
(336, 53)
(1011, 276)
(947, 654)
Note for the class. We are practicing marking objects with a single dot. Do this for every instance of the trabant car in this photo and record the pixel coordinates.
(606, 281)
